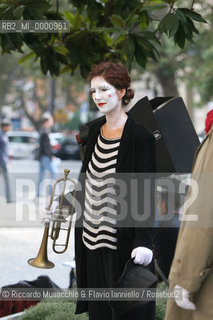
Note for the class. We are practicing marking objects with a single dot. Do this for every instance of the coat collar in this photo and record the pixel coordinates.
(208, 136)
(93, 135)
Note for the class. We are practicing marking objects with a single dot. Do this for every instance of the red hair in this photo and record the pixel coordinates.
(116, 75)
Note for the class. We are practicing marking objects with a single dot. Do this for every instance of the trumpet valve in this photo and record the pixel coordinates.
(60, 215)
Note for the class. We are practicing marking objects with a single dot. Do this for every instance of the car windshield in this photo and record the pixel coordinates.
(69, 140)
(20, 139)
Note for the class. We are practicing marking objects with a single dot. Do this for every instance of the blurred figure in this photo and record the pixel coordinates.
(191, 272)
(45, 150)
(4, 156)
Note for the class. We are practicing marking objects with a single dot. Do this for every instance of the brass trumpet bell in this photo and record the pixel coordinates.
(41, 261)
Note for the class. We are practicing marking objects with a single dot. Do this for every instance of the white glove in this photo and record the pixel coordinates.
(46, 215)
(142, 255)
(184, 302)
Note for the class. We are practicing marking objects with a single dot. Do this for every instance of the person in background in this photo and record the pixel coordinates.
(192, 272)
(45, 150)
(4, 157)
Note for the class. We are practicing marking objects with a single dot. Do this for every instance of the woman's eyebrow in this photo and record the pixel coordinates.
(104, 86)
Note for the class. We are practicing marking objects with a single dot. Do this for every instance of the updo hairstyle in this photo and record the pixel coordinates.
(116, 75)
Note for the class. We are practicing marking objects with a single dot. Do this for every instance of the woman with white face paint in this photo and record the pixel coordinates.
(116, 144)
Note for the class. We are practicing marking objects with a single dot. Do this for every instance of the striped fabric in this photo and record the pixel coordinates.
(99, 224)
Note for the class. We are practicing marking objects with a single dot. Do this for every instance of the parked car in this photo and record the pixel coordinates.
(69, 149)
(23, 144)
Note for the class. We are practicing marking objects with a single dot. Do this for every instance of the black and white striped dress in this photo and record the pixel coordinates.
(99, 223)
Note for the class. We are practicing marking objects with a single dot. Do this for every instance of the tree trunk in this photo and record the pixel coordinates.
(167, 81)
(35, 123)
(52, 94)
(189, 102)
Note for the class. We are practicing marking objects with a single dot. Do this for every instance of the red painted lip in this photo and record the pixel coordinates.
(101, 104)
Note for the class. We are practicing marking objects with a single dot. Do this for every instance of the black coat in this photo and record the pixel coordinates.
(136, 154)
(44, 144)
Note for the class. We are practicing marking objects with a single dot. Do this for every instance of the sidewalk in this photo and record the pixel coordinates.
(20, 239)
(23, 213)
(21, 230)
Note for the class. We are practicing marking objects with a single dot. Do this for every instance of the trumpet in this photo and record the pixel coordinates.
(41, 260)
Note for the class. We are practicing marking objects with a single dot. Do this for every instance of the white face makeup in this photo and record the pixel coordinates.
(104, 95)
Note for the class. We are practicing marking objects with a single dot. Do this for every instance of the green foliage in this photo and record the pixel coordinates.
(53, 311)
(179, 24)
(161, 304)
(199, 58)
(114, 30)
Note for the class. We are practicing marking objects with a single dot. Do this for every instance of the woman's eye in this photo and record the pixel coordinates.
(104, 89)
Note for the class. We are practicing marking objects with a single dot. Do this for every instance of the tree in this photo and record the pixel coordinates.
(115, 30)
(192, 65)
(165, 71)
(200, 63)
(27, 90)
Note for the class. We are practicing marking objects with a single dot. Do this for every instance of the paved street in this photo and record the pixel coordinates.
(23, 181)
(21, 230)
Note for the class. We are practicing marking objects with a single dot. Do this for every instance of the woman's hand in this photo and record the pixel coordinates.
(182, 300)
(46, 215)
(142, 255)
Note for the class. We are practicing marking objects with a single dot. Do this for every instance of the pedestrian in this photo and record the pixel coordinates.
(116, 144)
(191, 272)
(4, 156)
(45, 151)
